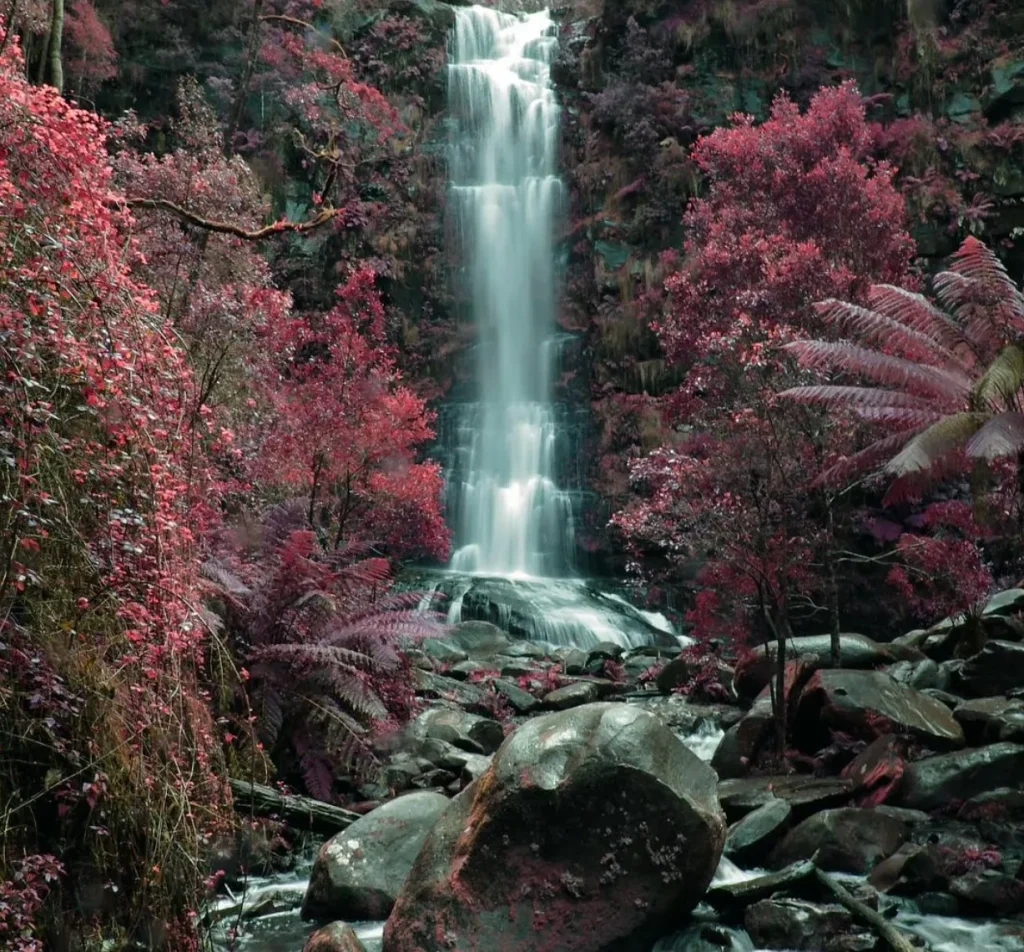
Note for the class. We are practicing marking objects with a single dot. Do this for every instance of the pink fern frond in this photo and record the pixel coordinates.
(976, 261)
(867, 460)
(906, 417)
(877, 328)
(855, 397)
(916, 312)
(948, 385)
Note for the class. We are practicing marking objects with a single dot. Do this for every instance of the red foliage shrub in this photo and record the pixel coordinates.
(96, 522)
(20, 899)
(796, 210)
(343, 431)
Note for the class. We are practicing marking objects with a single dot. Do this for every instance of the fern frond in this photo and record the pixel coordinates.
(317, 773)
(271, 715)
(1002, 435)
(855, 397)
(983, 318)
(875, 327)
(928, 447)
(1002, 378)
(918, 313)
(949, 385)
(976, 261)
(866, 460)
(906, 417)
(224, 578)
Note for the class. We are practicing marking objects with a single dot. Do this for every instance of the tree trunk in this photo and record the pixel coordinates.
(56, 39)
(833, 585)
(301, 812)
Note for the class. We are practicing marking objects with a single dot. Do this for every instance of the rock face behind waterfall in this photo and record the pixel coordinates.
(591, 829)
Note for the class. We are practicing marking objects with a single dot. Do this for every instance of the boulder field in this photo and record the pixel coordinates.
(527, 809)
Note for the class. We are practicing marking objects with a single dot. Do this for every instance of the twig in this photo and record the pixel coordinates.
(887, 932)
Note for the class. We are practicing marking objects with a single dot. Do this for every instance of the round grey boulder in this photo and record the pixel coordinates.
(358, 873)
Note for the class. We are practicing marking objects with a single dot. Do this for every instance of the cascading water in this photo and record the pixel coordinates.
(511, 518)
(512, 521)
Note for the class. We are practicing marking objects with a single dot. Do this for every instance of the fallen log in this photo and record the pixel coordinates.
(896, 940)
(304, 813)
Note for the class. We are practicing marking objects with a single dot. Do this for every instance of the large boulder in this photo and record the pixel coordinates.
(982, 718)
(868, 705)
(469, 732)
(847, 840)
(357, 873)
(591, 827)
(856, 651)
(796, 924)
(938, 781)
(738, 750)
(479, 639)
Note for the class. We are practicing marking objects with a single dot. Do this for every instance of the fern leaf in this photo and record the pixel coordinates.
(928, 447)
(918, 313)
(986, 320)
(317, 773)
(907, 417)
(854, 397)
(867, 459)
(271, 716)
(1002, 435)
(1002, 378)
(874, 327)
(976, 261)
(949, 385)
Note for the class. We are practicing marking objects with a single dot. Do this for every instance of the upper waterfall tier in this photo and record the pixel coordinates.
(510, 516)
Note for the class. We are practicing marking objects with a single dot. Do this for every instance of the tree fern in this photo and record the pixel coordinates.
(947, 381)
(321, 632)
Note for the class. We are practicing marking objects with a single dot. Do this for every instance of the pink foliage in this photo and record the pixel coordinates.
(795, 211)
(91, 58)
(343, 431)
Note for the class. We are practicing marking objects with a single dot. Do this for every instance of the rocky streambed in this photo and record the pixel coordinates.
(564, 799)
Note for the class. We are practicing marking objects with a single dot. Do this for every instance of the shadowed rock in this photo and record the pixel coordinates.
(870, 704)
(358, 873)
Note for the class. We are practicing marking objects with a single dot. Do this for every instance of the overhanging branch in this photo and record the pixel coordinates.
(227, 228)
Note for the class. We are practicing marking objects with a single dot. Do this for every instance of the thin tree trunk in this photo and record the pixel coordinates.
(56, 39)
(833, 585)
(44, 58)
(12, 12)
(243, 86)
(780, 629)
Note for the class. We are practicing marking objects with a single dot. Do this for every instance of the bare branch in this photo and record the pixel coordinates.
(295, 21)
(227, 228)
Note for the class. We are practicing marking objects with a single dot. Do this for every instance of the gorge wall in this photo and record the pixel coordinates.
(640, 80)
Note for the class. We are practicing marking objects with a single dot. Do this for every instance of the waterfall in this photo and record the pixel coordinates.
(510, 516)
